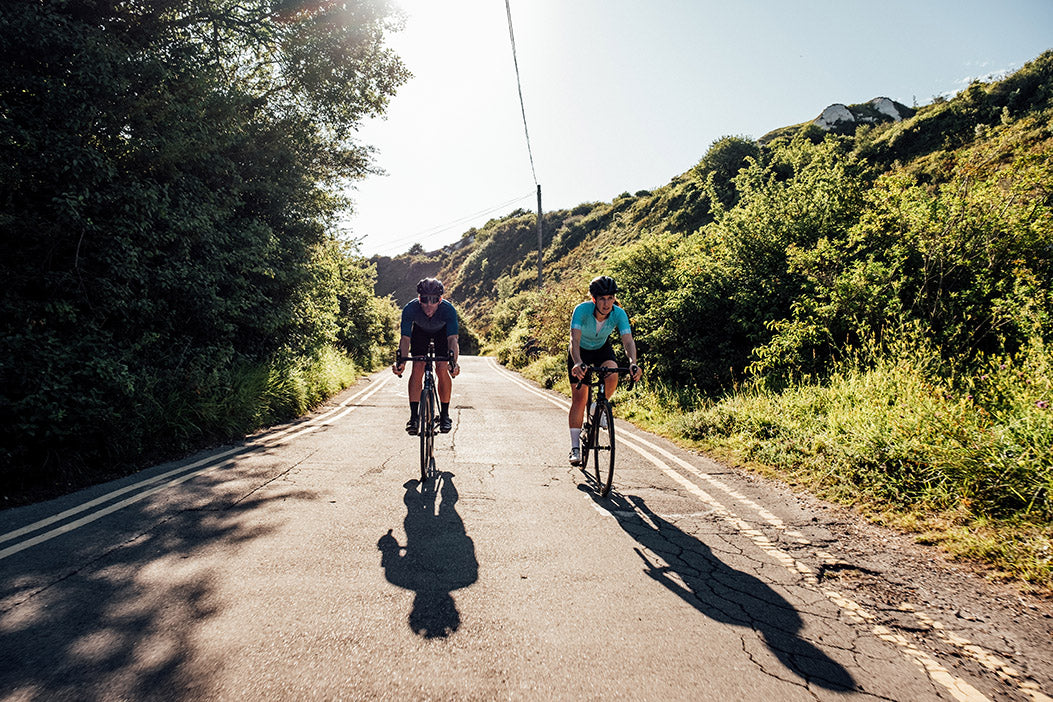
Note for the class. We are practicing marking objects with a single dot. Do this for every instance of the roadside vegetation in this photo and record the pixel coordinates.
(868, 315)
(172, 275)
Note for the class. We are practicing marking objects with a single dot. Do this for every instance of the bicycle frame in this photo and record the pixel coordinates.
(428, 407)
(597, 432)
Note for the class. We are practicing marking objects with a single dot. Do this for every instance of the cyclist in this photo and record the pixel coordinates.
(429, 318)
(591, 325)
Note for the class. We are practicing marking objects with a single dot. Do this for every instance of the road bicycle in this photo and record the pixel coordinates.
(597, 433)
(428, 413)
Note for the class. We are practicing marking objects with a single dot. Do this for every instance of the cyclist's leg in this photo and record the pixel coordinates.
(578, 396)
(443, 381)
(578, 399)
(415, 380)
(418, 345)
(605, 357)
(610, 383)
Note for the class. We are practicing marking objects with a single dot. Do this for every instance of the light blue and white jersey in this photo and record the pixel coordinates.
(593, 332)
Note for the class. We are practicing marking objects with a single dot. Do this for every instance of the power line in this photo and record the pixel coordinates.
(530, 152)
(431, 232)
(522, 108)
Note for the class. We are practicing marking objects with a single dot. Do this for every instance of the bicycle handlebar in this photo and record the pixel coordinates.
(401, 360)
(437, 359)
(603, 372)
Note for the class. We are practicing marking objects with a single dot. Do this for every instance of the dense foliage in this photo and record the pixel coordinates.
(871, 313)
(168, 174)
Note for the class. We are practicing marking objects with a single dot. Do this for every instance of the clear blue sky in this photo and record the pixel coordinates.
(624, 95)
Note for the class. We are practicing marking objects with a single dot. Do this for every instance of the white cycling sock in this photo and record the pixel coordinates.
(575, 438)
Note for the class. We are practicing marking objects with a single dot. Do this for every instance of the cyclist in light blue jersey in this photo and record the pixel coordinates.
(591, 326)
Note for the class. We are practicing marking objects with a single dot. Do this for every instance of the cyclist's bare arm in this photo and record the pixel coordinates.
(630, 350)
(453, 350)
(578, 371)
(400, 365)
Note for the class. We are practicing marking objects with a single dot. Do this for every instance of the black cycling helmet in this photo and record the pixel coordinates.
(602, 285)
(430, 286)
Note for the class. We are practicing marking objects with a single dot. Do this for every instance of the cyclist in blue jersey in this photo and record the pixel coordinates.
(429, 318)
(591, 326)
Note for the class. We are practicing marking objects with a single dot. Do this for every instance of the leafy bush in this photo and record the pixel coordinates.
(166, 195)
(963, 258)
(721, 165)
(899, 435)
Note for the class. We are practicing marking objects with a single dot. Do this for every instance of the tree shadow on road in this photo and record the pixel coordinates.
(438, 558)
(113, 611)
(723, 593)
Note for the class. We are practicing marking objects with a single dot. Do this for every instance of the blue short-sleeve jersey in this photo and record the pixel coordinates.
(445, 316)
(593, 333)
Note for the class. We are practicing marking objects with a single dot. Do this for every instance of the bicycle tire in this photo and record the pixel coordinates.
(603, 447)
(427, 423)
(431, 443)
(586, 445)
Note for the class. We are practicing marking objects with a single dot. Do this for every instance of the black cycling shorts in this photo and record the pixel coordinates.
(591, 358)
(419, 342)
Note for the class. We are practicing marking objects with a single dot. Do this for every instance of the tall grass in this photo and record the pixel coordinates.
(223, 404)
(285, 389)
(901, 436)
(963, 460)
(249, 397)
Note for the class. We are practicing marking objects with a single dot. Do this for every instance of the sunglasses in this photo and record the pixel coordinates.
(430, 299)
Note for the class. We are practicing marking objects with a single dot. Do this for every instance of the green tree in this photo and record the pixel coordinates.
(166, 193)
(721, 164)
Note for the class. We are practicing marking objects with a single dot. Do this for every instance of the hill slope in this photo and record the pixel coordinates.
(866, 309)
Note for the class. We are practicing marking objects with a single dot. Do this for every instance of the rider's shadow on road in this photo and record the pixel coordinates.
(724, 594)
(437, 559)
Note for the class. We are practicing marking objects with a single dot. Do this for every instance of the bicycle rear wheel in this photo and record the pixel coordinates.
(427, 426)
(603, 447)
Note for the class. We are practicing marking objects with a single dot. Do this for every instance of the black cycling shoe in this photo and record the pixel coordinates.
(445, 425)
(412, 426)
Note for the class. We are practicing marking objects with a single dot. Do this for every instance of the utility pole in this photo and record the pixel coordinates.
(540, 243)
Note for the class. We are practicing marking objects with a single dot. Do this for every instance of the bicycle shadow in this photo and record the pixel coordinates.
(723, 593)
(438, 558)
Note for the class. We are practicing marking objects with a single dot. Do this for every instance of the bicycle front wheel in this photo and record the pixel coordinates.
(427, 425)
(603, 447)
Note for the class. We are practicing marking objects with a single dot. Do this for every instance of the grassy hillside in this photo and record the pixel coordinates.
(867, 314)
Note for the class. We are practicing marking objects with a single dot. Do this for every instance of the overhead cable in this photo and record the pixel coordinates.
(431, 232)
(519, 87)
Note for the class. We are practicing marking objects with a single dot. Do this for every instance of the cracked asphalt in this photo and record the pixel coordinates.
(309, 563)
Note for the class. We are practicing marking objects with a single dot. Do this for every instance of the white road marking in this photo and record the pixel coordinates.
(183, 473)
(958, 688)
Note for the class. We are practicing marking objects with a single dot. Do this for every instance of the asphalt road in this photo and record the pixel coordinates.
(309, 563)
